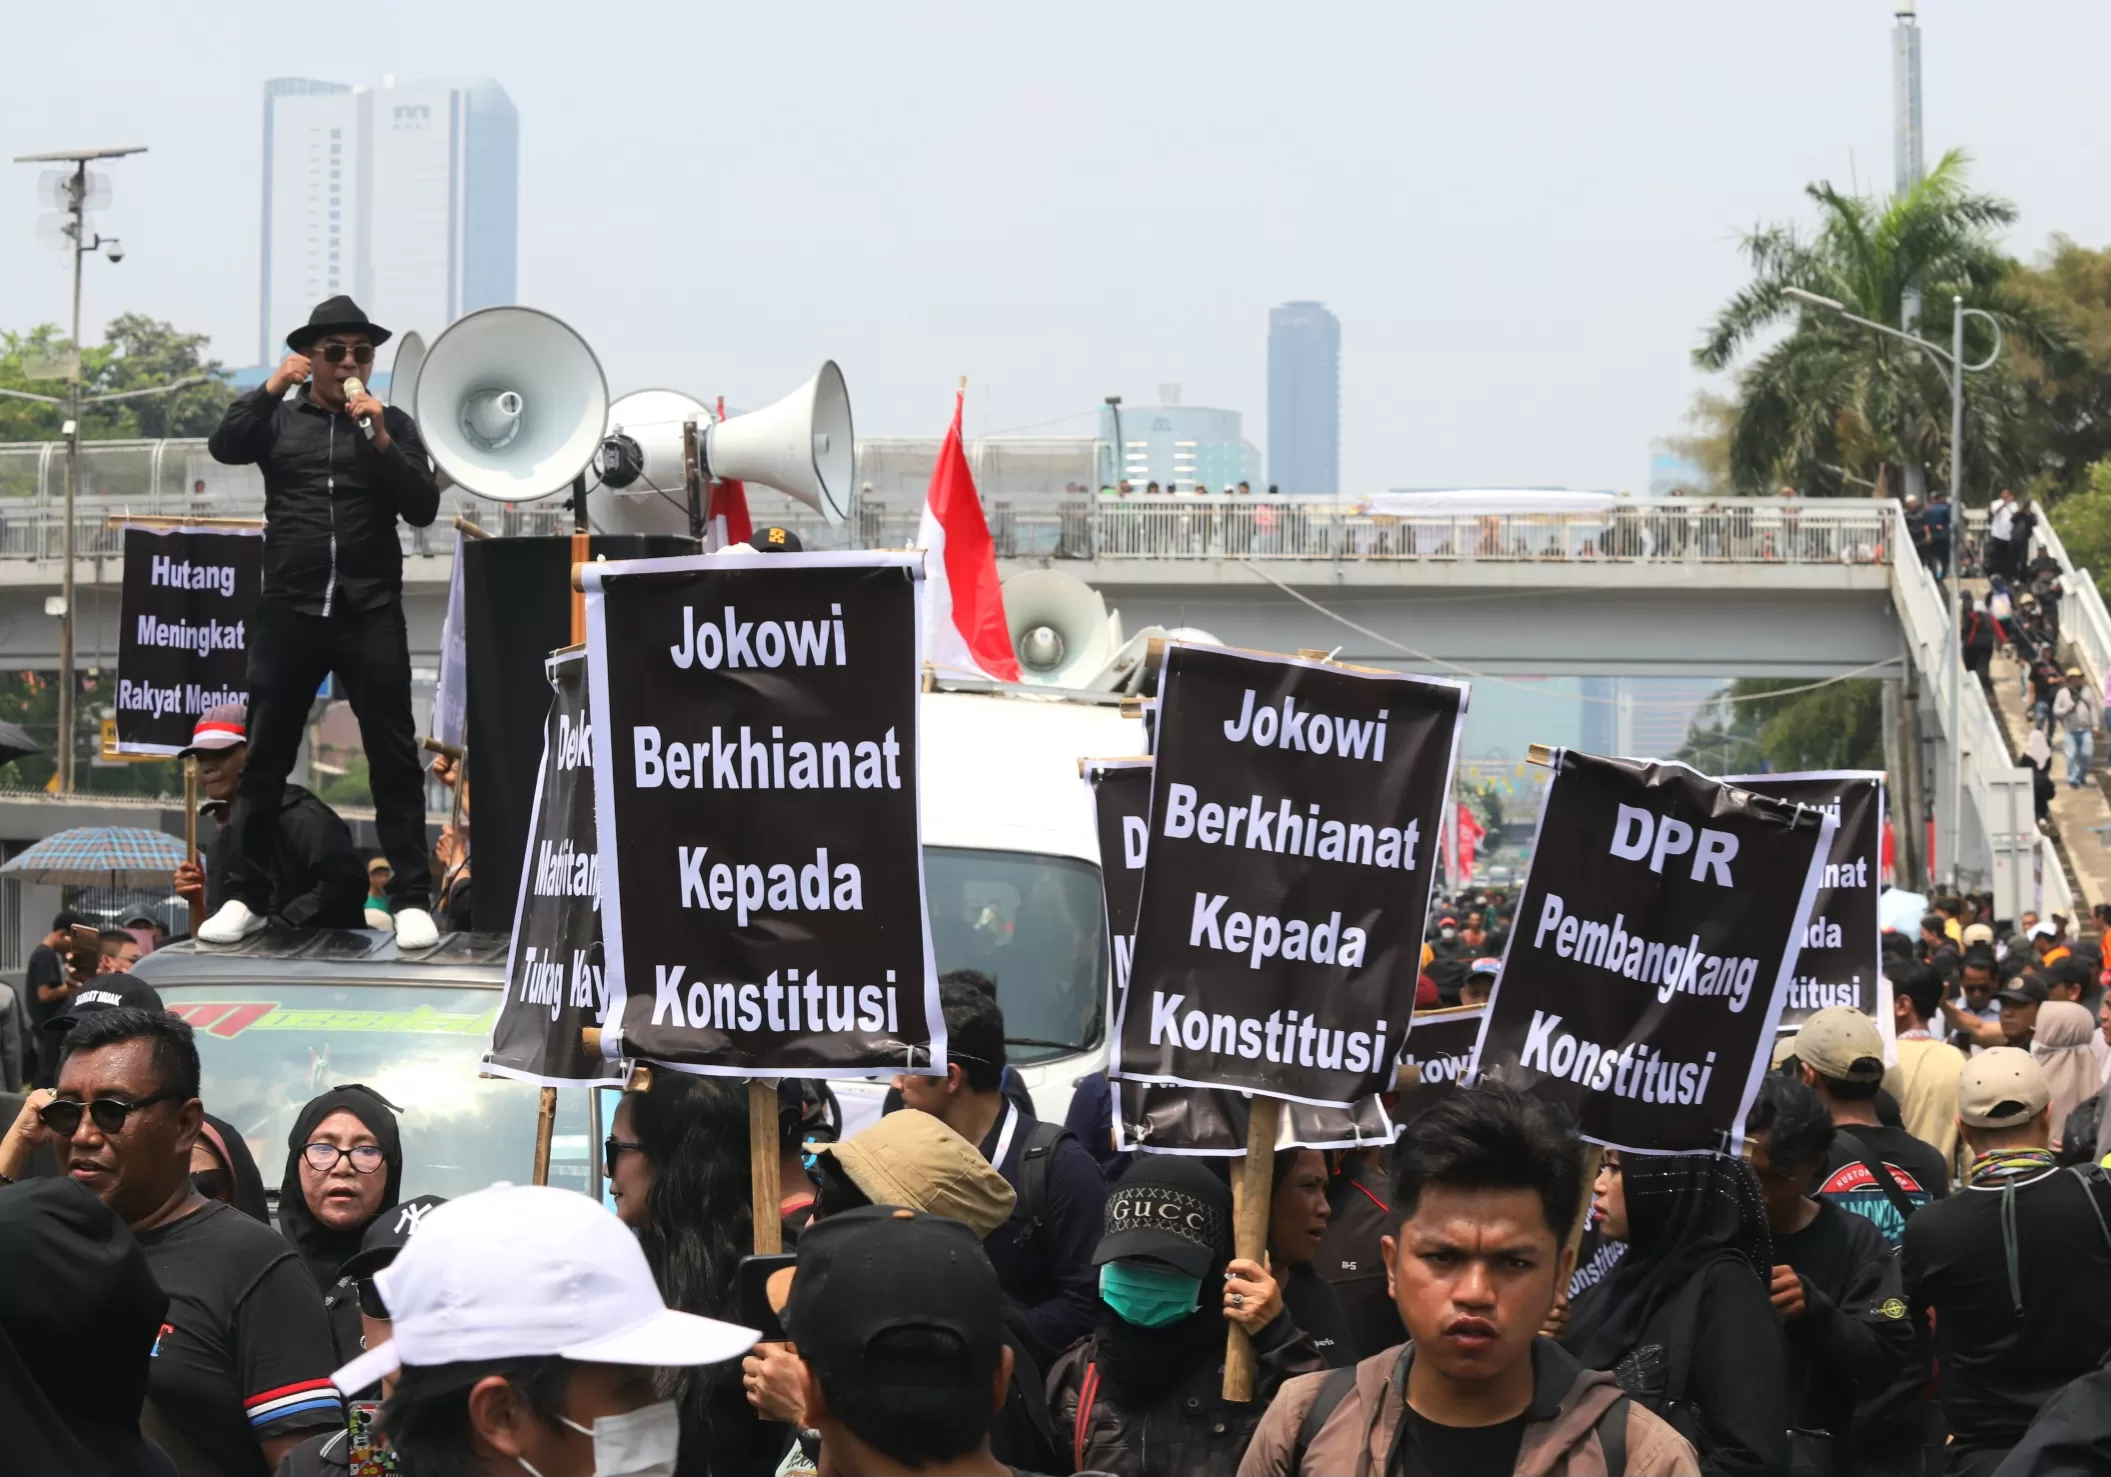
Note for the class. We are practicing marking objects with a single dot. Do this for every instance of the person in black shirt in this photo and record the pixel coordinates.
(1298, 1212)
(344, 1173)
(1351, 1257)
(1882, 1173)
(1836, 1284)
(332, 601)
(48, 988)
(316, 881)
(2015, 1267)
(241, 1369)
(1043, 1255)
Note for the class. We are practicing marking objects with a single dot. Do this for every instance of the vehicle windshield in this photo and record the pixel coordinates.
(266, 1050)
(1034, 924)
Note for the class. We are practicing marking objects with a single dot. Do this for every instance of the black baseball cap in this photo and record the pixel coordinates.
(776, 540)
(2024, 989)
(879, 1270)
(104, 993)
(1168, 1208)
(389, 1234)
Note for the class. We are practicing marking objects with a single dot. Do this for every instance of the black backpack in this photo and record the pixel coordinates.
(1034, 1157)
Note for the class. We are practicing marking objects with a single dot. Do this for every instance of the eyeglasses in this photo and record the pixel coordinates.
(322, 1158)
(612, 1146)
(63, 1116)
(370, 1302)
(335, 353)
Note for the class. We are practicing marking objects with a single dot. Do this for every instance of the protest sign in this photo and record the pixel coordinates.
(555, 982)
(1121, 806)
(1842, 962)
(1653, 947)
(755, 774)
(183, 634)
(1294, 812)
(1440, 1049)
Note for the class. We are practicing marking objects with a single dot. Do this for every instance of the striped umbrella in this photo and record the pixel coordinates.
(90, 856)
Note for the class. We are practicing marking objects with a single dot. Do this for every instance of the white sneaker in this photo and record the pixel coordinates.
(232, 924)
(381, 919)
(416, 930)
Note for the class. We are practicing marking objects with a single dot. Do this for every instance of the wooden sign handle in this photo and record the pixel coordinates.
(764, 1183)
(190, 808)
(1252, 1191)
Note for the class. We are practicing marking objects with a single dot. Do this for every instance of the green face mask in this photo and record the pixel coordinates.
(1147, 1296)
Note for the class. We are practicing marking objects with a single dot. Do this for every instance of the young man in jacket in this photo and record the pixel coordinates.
(1486, 1185)
(339, 470)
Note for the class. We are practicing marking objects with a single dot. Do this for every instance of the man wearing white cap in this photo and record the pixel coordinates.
(527, 1329)
(2015, 1267)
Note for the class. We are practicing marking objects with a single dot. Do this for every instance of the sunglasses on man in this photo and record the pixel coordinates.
(63, 1115)
(334, 353)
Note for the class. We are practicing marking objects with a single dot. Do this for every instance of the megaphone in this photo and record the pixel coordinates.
(640, 461)
(403, 372)
(1060, 628)
(801, 446)
(511, 403)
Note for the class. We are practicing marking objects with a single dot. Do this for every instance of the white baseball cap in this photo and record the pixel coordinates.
(517, 1271)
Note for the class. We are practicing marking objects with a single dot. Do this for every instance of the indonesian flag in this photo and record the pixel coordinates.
(726, 519)
(1470, 832)
(964, 626)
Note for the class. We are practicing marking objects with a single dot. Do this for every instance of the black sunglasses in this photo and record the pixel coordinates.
(63, 1117)
(370, 1302)
(335, 353)
(611, 1147)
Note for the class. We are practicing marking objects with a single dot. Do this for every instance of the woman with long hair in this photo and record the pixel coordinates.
(677, 1160)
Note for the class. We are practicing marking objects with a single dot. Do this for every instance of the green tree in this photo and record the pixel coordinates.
(2070, 391)
(137, 352)
(2083, 521)
(1785, 724)
(1831, 404)
(31, 700)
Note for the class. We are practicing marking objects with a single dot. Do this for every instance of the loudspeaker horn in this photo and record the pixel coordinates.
(404, 369)
(512, 404)
(801, 446)
(1060, 628)
(641, 462)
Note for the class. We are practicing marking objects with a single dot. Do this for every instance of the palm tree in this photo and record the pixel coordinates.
(1832, 408)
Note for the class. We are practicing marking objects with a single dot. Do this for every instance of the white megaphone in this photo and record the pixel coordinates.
(511, 403)
(801, 446)
(403, 372)
(1060, 628)
(640, 461)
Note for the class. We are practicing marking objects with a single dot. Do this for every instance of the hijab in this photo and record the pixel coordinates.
(1685, 1213)
(2060, 1044)
(322, 1247)
(79, 1314)
(248, 1193)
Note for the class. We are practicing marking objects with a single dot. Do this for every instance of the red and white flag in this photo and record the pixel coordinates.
(964, 626)
(726, 519)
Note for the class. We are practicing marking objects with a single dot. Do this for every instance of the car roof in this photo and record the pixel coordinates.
(328, 956)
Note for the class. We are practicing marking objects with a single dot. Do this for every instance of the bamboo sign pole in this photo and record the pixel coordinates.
(764, 1183)
(190, 808)
(1252, 1190)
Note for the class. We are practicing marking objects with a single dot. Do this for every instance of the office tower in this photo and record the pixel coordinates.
(1304, 399)
(406, 197)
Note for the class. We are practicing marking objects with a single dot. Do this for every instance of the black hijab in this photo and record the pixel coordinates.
(321, 1247)
(79, 1313)
(1685, 1212)
(248, 1184)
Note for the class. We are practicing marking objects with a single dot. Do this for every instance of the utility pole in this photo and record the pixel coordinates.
(1907, 169)
(74, 206)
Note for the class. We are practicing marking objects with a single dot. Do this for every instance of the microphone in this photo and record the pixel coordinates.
(356, 386)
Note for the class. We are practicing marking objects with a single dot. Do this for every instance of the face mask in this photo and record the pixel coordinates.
(637, 1443)
(1149, 1297)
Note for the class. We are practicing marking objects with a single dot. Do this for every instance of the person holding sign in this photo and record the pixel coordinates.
(340, 468)
(1487, 1184)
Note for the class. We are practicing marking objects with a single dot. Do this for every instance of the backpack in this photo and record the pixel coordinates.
(1034, 1158)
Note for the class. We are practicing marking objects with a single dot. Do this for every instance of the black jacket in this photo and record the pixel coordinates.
(2071, 1436)
(317, 879)
(330, 499)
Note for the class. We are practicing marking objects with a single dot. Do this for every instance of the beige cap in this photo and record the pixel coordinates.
(2001, 1087)
(1784, 1048)
(1841, 1043)
(1978, 933)
(913, 1160)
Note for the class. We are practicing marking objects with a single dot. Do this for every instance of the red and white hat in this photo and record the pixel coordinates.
(220, 728)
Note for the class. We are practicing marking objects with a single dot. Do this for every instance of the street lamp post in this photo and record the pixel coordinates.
(1953, 664)
(1114, 406)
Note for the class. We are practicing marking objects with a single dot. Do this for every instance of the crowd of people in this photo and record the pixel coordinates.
(1907, 1270)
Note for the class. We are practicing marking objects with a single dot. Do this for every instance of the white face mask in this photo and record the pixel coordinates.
(637, 1443)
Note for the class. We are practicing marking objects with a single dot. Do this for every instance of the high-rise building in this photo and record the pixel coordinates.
(1180, 446)
(406, 197)
(1304, 399)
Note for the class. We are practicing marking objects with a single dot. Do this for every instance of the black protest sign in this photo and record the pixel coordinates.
(1843, 949)
(1652, 948)
(1160, 1118)
(1294, 812)
(1121, 804)
(190, 595)
(755, 776)
(555, 982)
(1440, 1050)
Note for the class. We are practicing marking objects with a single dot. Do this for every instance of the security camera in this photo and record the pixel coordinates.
(114, 249)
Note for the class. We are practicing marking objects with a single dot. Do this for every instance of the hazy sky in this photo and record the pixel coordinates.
(1521, 212)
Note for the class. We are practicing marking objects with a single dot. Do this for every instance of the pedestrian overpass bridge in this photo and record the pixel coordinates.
(1735, 587)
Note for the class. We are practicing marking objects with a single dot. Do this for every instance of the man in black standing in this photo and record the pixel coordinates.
(339, 470)
(46, 989)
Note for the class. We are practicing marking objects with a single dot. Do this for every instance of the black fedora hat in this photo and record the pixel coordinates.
(335, 315)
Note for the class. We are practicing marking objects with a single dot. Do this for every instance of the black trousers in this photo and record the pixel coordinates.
(290, 653)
